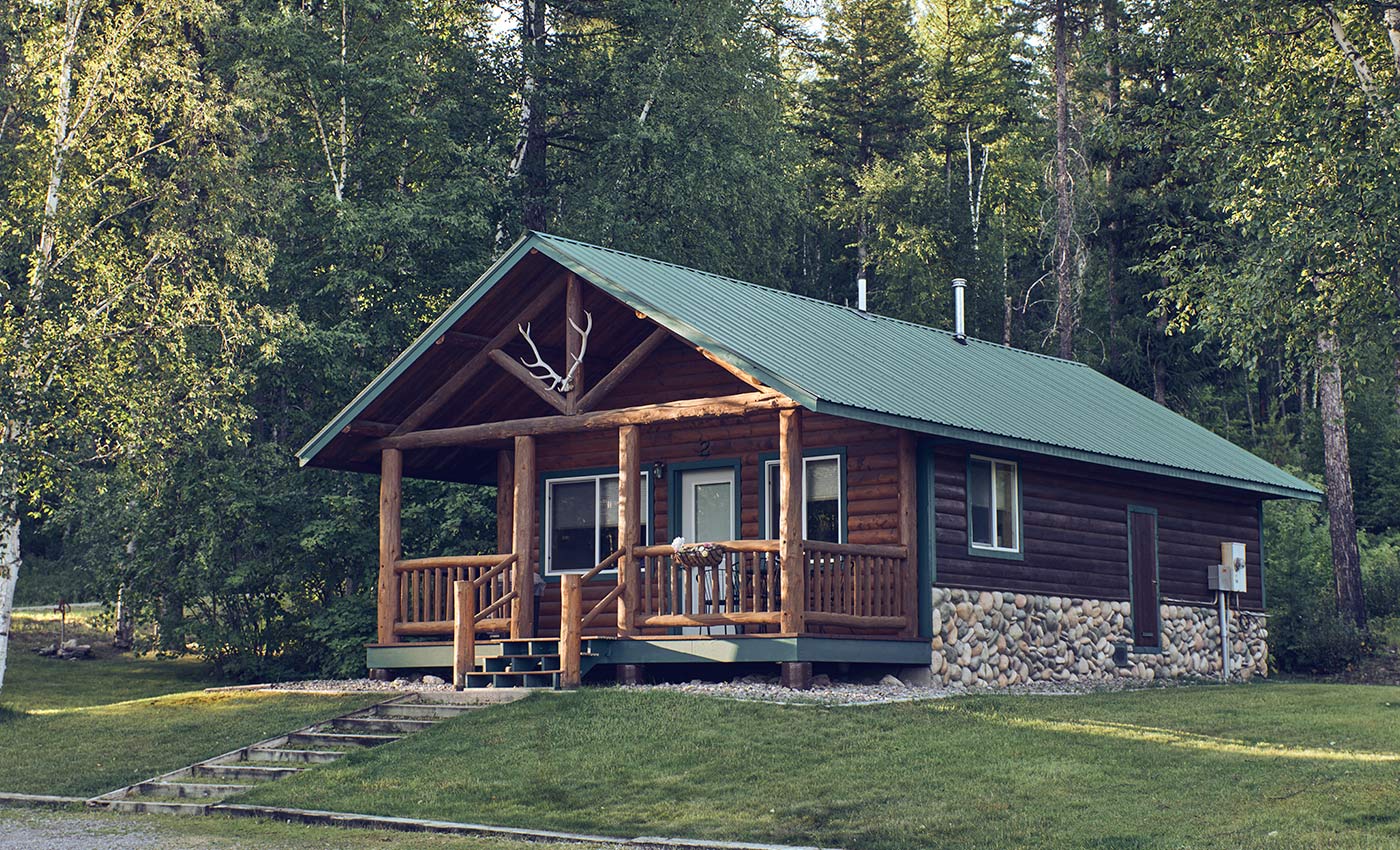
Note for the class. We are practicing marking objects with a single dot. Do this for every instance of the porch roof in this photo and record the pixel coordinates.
(837, 360)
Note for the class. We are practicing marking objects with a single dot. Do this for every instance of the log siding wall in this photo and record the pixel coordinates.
(1075, 530)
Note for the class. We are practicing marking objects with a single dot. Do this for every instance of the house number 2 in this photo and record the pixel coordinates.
(704, 450)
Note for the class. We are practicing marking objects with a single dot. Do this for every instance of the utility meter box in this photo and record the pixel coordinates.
(1229, 574)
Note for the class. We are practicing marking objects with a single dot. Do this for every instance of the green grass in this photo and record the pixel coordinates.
(1270, 765)
(164, 832)
(86, 727)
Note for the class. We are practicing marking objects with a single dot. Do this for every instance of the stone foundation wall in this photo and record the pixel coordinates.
(1000, 639)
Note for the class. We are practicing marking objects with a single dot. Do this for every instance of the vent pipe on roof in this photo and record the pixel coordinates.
(860, 293)
(959, 329)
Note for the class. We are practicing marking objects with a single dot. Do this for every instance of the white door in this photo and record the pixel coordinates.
(707, 516)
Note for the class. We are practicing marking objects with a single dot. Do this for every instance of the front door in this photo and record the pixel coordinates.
(707, 516)
(1142, 577)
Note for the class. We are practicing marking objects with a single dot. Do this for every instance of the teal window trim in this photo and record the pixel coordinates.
(542, 507)
(673, 489)
(1017, 554)
(843, 518)
(927, 567)
(1132, 584)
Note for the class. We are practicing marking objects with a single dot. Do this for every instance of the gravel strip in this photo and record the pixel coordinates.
(846, 693)
(359, 686)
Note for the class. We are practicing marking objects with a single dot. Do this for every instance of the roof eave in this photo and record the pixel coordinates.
(1305, 492)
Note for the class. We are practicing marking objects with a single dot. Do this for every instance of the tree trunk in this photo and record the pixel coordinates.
(1159, 363)
(9, 573)
(529, 164)
(1115, 163)
(63, 105)
(1341, 512)
(1064, 200)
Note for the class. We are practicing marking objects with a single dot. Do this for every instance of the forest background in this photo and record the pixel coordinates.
(220, 218)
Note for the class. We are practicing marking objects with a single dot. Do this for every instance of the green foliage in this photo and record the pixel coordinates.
(1305, 634)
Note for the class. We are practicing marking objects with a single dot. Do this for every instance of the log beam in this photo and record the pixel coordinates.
(505, 500)
(671, 411)
(614, 377)
(517, 370)
(478, 362)
(794, 570)
(573, 338)
(629, 499)
(390, 541)
(523, 528)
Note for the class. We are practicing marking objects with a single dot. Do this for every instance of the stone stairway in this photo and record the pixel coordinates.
(192, 790)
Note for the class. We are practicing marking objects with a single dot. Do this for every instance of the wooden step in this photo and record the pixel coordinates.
(530, 679)
(381, 725)
(277, 754)
(244, 770)
(340, 739)
(188, 789)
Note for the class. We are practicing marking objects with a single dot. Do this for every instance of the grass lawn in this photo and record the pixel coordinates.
(86, 727)
(91, 830)
(1267, 765)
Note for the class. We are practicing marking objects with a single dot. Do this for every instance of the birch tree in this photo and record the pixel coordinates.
(119, 325)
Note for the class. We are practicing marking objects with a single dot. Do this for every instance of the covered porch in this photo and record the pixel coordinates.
(784, 598)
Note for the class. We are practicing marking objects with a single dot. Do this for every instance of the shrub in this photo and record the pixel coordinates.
(1305, 633)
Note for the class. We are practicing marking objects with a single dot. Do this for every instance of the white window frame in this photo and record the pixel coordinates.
(770, 468)
(992, 520)
(597, 479)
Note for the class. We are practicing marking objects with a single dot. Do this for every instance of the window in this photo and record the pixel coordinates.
(993, 505)
(822, 514)
(581, 518)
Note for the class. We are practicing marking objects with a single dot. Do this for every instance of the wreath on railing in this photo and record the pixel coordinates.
(699, 555)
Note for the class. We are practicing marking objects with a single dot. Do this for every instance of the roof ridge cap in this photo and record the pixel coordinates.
(789, 293)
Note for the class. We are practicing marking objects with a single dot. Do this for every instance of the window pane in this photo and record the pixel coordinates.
(573, 521)
(774, 497)
(714, 512)
(608, 513)
(823, 480)
(1006, 506)
(979, 499)
(824, 521)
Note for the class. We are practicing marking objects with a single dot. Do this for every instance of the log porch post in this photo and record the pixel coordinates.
(463, 632)
(390, 540)
(522, 609)
(794, 570)
(505, 501)
(909, 532)
(629, 498)
(570, 630)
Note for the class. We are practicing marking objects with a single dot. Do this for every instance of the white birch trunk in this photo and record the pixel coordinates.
(1392, 31)
(1364, 77)
(9, 574)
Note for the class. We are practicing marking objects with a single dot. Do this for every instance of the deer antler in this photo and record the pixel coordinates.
(561, 383)
(551, 377)
(568, 383)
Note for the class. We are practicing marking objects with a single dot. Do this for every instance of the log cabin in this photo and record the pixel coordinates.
(692, 469)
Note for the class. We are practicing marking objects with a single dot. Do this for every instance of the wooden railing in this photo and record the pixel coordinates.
(861, 587)
(427, 598)
(743, 589)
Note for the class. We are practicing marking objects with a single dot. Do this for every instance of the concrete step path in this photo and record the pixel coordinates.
(192, 790)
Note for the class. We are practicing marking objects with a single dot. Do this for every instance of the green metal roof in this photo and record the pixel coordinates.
(837, 360)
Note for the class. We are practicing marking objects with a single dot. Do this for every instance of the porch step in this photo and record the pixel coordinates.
(531, 679)
(277, 754)
(380, 725)
(339, 739)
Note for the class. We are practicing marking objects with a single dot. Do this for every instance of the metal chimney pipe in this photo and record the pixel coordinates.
(860, 293)
(959, 326)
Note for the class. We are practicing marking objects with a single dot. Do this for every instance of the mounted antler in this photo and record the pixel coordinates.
(561, 383)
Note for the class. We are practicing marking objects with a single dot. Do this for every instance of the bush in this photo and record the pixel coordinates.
(1305, 633)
